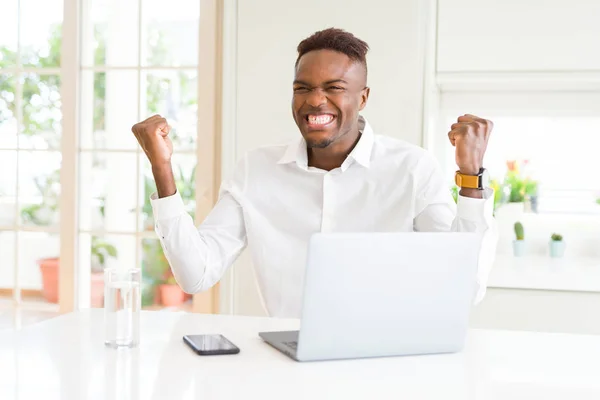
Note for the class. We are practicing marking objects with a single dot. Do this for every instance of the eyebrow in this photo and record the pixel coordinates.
(299, 82)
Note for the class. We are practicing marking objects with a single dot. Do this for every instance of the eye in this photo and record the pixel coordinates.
(300, 89)
(336, 88)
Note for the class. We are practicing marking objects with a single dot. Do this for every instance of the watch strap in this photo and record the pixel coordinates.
(468, 181)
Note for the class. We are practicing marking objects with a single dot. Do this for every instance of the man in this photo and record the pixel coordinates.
(338, 177)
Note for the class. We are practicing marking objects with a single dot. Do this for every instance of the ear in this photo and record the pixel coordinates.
(364, 96)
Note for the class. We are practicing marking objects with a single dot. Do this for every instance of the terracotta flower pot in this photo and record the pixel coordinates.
(171, 295)
(97, 289)
(49, 268)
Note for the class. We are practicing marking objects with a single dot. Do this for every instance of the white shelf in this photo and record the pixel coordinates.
(545, 273)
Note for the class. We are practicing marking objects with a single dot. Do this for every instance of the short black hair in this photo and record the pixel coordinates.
(337, 40)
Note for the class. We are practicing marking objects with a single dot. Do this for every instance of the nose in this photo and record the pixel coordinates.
(316, 98)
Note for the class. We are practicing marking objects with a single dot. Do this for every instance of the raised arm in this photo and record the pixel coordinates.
(198, 256)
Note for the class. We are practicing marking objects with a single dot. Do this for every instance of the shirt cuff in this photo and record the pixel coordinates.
(167, 207)
(475, 210)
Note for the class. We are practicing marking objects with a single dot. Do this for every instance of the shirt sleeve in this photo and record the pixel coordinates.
(437, 212)
(199, 256)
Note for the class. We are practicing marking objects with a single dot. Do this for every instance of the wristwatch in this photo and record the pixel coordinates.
(479, 181)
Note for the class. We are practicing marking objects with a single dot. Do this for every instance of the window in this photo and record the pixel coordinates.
(138, 58)
(30, 132)
(552, 137)
(557, 153)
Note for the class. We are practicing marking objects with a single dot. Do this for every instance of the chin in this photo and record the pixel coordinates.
(318, 144)
(318, 139)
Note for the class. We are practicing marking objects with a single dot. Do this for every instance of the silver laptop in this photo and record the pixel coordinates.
(383, 294)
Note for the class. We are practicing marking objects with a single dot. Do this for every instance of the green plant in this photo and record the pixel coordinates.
(155, 264)
(48, 187)
(517, 186)
(171, 280)
(519, 231)
(454, 192)
(531, 187)
(494, 184)
(186, 185)
(556, 237)
(101, 251)
(40, 92)
(155, 269)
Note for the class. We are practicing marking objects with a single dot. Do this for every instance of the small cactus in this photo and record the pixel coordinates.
(556, 237)
(519, 232)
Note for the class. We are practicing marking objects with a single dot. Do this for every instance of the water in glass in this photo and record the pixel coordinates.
(122, 301)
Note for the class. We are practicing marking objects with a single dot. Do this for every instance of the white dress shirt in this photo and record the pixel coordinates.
(274, 202)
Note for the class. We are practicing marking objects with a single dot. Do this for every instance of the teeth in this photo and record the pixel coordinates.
(320, 119)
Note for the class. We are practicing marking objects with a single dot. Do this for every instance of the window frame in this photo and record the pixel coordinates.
(74, 276)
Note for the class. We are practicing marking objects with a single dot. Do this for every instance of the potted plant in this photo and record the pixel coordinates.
(557, 246)
(164, 288)
(518, 188)
(531, 194)
(50, 268)
(513, 183)
(44, 213)
(509, 194)
(171, 294)
(160, 285)
(519, 242)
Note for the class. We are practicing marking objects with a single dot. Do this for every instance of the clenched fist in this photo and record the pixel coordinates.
(152, 135)
(470, 135)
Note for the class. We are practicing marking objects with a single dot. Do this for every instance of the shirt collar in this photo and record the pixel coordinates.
(296, 151)
(362, 151)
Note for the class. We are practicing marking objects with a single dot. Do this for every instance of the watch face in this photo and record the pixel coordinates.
(485, 179)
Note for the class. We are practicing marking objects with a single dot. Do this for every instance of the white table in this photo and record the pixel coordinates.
(65, 358)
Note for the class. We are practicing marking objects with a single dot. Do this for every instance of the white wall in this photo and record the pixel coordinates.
(270, 30)
(267, 34)
(518, 35)
(526, 57)
(480, 45)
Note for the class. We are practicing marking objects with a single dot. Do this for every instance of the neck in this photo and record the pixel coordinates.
(335, 154)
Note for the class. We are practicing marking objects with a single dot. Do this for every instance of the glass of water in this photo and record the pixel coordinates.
(122, 303)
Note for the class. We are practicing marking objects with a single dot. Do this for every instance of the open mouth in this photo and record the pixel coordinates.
(319, 120)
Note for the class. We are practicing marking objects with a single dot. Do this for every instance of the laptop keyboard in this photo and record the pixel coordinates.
(292, 345)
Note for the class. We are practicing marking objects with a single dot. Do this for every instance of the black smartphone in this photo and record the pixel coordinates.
(210, 345)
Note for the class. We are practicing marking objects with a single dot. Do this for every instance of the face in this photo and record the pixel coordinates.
(329, 92)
